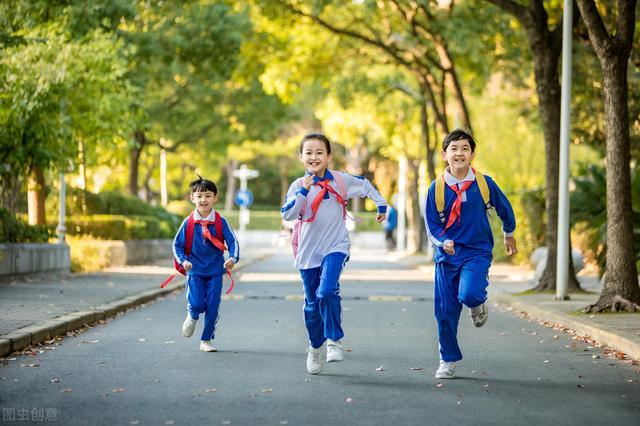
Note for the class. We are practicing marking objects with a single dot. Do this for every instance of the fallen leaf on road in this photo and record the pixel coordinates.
(349, 350)
(67, 390)
(267, 390)
(117, 390)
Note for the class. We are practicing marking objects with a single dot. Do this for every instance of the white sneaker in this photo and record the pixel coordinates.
(334, 351)
(188, 326)
(446, 370)
(479, 315)
(207, 346)
(314, 359)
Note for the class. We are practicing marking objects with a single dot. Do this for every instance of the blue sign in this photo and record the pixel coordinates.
(244, 198)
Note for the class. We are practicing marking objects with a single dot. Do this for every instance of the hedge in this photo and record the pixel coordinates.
(15, 230)
(118, 227)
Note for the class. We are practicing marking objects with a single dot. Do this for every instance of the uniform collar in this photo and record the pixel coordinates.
(316, 179)
(452, 180)
(210, 218)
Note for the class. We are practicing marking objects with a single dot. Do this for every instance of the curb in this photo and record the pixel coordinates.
(59, 326)
(580, 326)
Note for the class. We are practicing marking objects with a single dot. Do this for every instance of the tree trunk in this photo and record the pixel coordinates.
(424, 121)
(545, 47)
(621, 276)
(82, 171)
(36, 197)
(415, 232)
(231, 184)
(134, 161)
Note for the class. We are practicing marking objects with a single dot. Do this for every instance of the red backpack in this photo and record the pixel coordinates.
(191, 225)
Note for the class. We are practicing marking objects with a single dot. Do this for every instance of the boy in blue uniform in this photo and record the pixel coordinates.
(205, 263)
(463, 242)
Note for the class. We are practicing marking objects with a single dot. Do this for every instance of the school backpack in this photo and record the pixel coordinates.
(482, 185)
(295, 235)
(191, 225)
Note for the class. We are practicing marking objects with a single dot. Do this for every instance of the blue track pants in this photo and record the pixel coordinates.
(203, 295)
(322, 301)
(457, 285)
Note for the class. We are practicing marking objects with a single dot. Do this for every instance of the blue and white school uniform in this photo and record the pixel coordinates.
(462, 278)
(204, 280)
(323, 250)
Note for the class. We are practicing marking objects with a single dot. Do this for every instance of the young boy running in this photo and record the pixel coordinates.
(458, 227)
(205, 263)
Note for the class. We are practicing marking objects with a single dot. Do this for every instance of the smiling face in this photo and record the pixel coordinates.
(204, 201)
(459, 156)
(315, 157)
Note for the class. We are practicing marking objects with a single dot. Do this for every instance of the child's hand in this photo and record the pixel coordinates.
(307, 181)
(229, 264)
(381, 217)
(448, 247)
(510, 244)
(187, 265)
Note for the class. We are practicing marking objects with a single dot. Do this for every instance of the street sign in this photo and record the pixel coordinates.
(244, 198)
(245, 173)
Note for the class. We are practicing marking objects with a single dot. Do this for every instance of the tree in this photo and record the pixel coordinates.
(406, 33)
(545, 43)
(614, 49)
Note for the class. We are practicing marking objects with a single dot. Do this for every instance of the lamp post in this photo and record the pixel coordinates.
(562, 266)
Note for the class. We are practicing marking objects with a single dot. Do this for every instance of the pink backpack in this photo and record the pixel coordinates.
(295, 236)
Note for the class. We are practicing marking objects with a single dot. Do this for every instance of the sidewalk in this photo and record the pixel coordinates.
(36, 310)
(620, 331)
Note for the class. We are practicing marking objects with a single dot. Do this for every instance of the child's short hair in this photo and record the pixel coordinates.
(457, 135)
(203, 185)
(317, 136)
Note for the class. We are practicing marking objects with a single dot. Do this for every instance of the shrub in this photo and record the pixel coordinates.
(117, 227)
(14, 230)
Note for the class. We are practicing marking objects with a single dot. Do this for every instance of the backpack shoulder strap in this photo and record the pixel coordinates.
(484, 188)
(191, 225)
(440, 197)
(342, 185)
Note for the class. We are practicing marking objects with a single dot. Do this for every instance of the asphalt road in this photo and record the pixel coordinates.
(138, 369)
